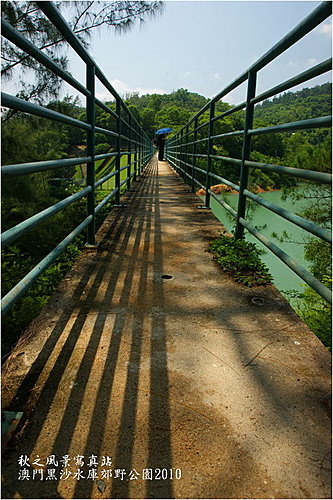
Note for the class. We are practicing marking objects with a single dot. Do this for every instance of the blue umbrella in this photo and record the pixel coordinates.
(163, 131)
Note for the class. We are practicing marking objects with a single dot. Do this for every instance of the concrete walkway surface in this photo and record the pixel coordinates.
(186, 387)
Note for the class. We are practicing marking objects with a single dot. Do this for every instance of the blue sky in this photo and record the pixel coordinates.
(204, 45)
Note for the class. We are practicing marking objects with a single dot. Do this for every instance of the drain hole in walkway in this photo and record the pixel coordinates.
(258, 301)
(167, 277)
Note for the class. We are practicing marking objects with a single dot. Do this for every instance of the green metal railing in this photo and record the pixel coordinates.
(182, 149)
(136, 144)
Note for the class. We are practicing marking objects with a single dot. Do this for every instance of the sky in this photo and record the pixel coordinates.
(204, 45)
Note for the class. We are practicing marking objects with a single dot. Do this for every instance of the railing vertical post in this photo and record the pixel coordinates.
(90, 102)
(177, 152)
(181, 162)
(186, 169)
(129, 157)
(140, 153)
(174, 151)
(244, 174)
(194, 159)
(118, 158)
(209, 151)
(135, 153)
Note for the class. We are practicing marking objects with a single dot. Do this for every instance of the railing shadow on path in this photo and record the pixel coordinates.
(122, 228)
(133, 242)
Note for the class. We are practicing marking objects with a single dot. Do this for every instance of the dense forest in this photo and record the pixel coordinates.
(28, 138)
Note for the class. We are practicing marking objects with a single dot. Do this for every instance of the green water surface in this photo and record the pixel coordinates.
(268, 223)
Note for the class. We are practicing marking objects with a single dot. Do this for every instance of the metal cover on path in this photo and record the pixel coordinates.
(188, 386)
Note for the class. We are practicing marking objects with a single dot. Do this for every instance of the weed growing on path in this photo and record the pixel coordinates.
(240, 259)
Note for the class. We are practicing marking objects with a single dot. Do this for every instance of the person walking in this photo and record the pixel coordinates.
(160, 143)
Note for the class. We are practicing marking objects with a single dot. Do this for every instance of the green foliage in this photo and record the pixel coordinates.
(240, 259)
(168, 110)
(315, 311)
(102, 148)
(29, 138)
(269, 180)
(294, 106)
(147, 120)
(14, 266)
(315, 155)
(27, 18)
(268, 144)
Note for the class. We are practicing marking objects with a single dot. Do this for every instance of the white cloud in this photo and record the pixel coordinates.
(312, 61)
(215, 76)
(293, 64)
(326, 29)
(104, 96)
(187, 74)
(124, 88)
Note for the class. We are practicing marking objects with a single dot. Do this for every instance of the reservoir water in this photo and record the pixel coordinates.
(269, 223)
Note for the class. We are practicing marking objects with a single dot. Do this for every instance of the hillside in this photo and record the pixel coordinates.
(309, 149)
(175, 109)
(30, 138)
(293, 106)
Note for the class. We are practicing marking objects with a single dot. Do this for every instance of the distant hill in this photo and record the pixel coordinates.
(293, 106)
(175, 109)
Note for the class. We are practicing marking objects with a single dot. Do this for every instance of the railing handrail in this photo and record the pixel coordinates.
(321, 12)
(53, 14)
(177, 147)
(138, 145)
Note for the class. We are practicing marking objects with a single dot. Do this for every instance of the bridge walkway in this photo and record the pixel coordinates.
(186, 373)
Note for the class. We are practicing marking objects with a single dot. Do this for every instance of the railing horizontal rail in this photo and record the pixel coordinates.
(106, 108)
(184, 155)
(106, 131)
(21, 287)
(309, 226)
(40, 166)
(9, 101)
(303, 28)
(107, 155)
(232, 86)
(125, 167)
(53, 14)
(319, 15)
(310, 175)
(315, 18)
(317, 70)
(235, 161)
(105, 178)
(228, 134)
(16, 232)
(224, 181)
(125, 128)
(323, 121)
(106, 200)
(60, 23)
(234, 109)
(321, 289)
(23, 43)
(224, 204)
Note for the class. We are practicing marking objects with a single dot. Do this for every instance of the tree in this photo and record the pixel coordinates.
(148, 118)
(83, 17)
